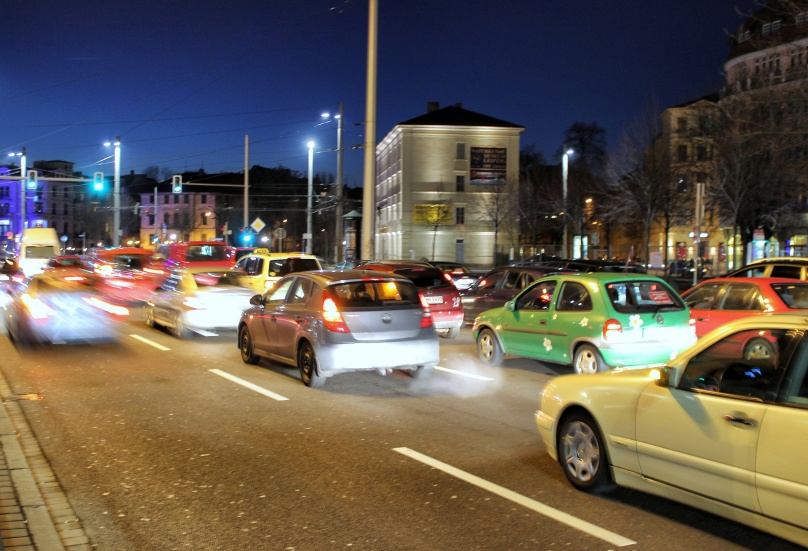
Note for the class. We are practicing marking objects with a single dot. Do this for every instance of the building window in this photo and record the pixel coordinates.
(460, 181)
(701, 153)
(776, 26)
(64, 209)
(767, 29)
(461, 150)
(38, 207)
(185, 199)
(460, 215)
(204, 199)
(151, 199)
(176, 199)
(681, 123)
(681, 153)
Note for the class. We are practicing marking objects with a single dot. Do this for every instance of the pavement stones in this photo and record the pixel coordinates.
(35, 514)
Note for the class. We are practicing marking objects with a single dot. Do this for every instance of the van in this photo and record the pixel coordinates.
(37, 246)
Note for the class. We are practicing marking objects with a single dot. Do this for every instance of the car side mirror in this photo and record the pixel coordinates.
(255, 300)
(668, 376)
(510, 306)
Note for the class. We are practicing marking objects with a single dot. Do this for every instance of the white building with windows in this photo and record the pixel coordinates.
(447, 188)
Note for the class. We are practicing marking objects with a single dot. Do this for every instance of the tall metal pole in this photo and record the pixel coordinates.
(564, 171)
(246, 181)
(308, 199)
(23, 187)
(116, 196)
(338, 210)
(369, 181)
(157, 224)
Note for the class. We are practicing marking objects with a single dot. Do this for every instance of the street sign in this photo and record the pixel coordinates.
(258, 225)
(280, 233)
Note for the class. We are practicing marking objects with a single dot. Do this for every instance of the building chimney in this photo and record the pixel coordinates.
(432, 106)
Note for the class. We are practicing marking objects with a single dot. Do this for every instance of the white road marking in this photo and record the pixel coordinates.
(541, 508)
(249, 385)
(150, 343)
(463, 373)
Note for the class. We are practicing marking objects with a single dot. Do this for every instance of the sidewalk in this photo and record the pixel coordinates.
(35, 514)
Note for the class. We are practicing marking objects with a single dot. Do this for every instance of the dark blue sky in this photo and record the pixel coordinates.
(183, 81)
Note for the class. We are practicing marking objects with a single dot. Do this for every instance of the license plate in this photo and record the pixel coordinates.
(434, 300)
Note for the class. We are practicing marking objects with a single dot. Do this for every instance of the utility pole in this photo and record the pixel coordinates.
(369, 191)
(338, 211)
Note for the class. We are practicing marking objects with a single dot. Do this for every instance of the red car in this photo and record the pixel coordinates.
(127, 274)
(436, 289)
(714, 302)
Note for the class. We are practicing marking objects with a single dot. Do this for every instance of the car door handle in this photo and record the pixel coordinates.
(738, 420)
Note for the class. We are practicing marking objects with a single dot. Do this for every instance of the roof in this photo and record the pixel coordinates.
(457, 116)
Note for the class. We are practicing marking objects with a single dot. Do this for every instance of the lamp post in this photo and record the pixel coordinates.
(23, 183)
(116, 193)
(310, 145)
(565, 159)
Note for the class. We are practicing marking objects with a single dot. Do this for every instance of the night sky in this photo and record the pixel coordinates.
(183, 81)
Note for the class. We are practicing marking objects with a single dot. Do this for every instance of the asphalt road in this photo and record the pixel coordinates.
(168, 444)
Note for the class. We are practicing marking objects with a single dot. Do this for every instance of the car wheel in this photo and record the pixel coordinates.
(451, 333)
(488, 349)
(582, 454)
(149, 313)
(246, 346)
(307, 363)
(178, 328)
(758, 349)
(421, 372)
(587, 360)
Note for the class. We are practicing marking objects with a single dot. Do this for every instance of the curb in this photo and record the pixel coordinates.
(35, 513)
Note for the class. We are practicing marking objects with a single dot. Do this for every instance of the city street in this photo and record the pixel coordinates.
(167, 444)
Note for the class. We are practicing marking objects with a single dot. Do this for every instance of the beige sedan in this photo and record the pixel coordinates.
(717, 429)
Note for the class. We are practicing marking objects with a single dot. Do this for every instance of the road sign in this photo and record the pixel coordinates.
(258, 225)
(280, 233)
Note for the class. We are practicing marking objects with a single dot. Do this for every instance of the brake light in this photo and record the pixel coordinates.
(611, 327)
(332, 317)
(74, 278)
(448, 277)
(426, 319)
(107, 307)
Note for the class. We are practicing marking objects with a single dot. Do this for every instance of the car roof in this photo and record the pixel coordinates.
(606, 276)
(278, 255)
(757, 280)
(327, 277)
(775, 259)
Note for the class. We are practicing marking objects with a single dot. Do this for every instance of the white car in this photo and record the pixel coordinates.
(198, 300)
(724, 427)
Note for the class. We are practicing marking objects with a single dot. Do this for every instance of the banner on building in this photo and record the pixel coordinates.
(432, 214)
(488, 165)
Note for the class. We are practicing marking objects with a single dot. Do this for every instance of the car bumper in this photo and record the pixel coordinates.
(643, 353)
(545, 424)
(447, 321)
(212, 320)
(407, 354)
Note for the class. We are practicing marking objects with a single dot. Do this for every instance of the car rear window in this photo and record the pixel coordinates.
(217, 279)
(639, 296)
(374, 293)
(424, 277)
(202, 253)
(794, 295)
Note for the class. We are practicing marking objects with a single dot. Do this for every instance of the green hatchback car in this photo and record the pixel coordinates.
(593, 322)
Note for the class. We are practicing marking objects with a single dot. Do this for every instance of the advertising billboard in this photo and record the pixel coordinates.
(488, 165)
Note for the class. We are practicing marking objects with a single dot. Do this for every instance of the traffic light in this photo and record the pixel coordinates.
(33, 179)
(176, 183)
(98, 181)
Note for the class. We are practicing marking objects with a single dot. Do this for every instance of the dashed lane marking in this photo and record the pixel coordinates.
(541, 508)
(150, 343)
(249, 385)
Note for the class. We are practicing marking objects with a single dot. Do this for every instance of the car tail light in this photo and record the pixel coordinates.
(74, 278)
(113, 309)
(426, 319)
(38, 309)
(448, 277)
(331, 315)
(611, 327)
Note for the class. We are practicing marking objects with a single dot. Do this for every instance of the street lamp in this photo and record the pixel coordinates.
(310, 145)
(339, 191)
(23, 175)
(116, 193)
(565, 160)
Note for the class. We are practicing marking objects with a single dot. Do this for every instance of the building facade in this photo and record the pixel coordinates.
(446, 188)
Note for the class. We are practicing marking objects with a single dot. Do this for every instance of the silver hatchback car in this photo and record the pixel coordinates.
(337, 321)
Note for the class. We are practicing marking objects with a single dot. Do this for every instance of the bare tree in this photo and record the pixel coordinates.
(539, 199)
(498, 205)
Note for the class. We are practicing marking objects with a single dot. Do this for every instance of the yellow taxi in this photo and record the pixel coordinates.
(263, 268)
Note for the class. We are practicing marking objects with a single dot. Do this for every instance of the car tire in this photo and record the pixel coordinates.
(149, 313)
(245, 344)
(451, 333)
(488, 349)
(178, 328)
(758, 349)
(307, 364)
(421, 372)
(582, 454)
(588, 360)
